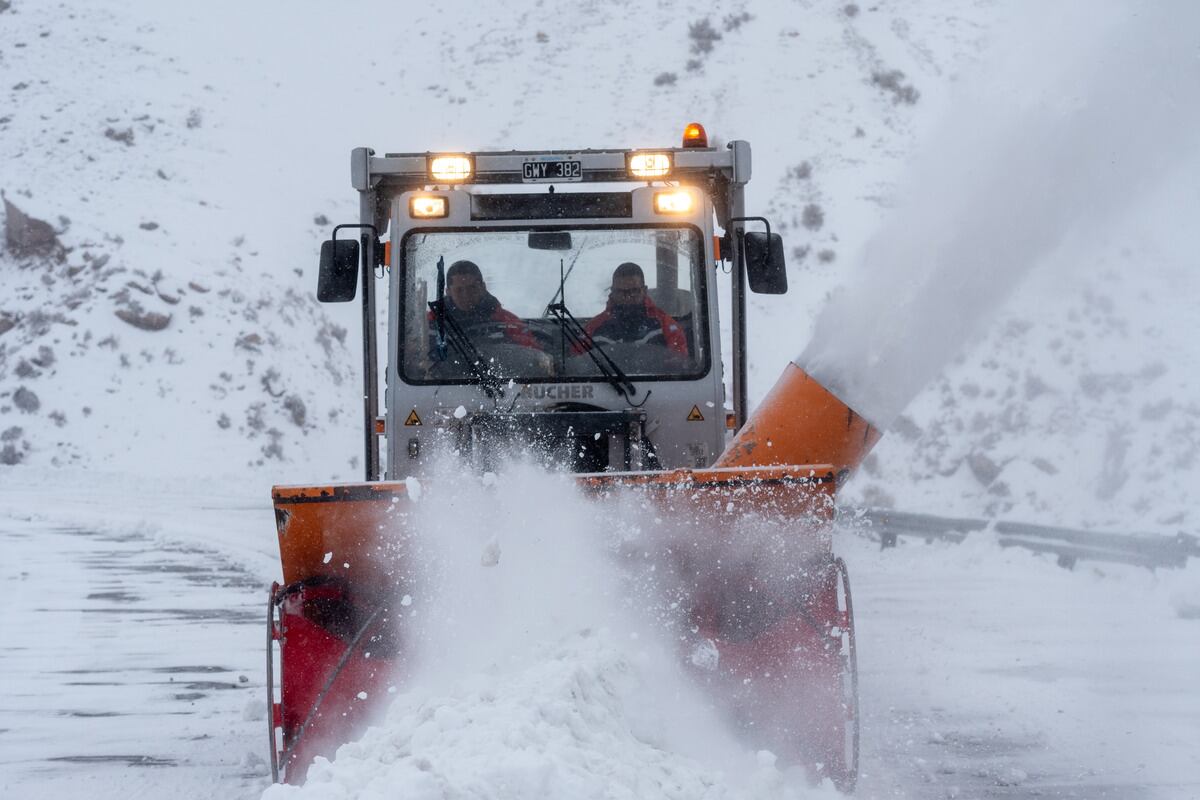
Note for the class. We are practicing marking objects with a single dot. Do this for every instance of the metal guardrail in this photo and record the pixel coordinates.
(1068, 544)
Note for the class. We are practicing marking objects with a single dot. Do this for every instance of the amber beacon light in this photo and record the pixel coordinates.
(694, 135)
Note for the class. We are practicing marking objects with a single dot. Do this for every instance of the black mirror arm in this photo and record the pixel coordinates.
(761, 258)
(742, 230)
(367, 267)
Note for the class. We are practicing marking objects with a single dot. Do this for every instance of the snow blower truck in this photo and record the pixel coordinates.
(566, 301)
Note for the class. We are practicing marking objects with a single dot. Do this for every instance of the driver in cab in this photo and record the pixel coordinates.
(471, 306)
(631, 316)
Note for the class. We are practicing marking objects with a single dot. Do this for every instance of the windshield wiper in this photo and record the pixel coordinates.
(450, 333)
(580, 339)
(561, 295)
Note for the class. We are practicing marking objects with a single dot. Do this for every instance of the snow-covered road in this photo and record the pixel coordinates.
(131, 657)
(132, 661)
(996, 673)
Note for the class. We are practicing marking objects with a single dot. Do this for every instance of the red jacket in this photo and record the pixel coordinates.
(490, 310)
(654, 317)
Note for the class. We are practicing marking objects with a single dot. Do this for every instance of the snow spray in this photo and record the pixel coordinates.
(538, 666)
(1080, 110)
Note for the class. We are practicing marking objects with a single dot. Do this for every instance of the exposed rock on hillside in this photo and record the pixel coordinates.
(27, 236)
(26, 400)
(136, 316)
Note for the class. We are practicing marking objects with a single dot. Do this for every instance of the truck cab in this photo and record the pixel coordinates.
(540, 303)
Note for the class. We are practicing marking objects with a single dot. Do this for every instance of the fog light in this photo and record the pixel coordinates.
(673, 202)
(427, 207)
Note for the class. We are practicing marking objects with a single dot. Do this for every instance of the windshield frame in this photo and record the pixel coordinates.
(702, 370)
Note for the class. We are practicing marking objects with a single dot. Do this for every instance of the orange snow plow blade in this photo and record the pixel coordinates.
(351, 529)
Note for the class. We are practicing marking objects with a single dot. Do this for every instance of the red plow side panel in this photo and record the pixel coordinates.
(790, 683)
(335, 668)
(340, 645)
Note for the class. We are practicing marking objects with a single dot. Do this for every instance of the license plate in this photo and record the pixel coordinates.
(550, 169)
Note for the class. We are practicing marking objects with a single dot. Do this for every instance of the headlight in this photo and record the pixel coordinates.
(450, 169)
(650, 165)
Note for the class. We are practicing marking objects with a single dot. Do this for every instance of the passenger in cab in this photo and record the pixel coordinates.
(477, 311)
(631, 316)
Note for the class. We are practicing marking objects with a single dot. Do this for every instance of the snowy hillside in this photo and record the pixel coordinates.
(189, 167)
(165, 328)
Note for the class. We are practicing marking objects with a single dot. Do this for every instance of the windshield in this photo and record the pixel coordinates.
(568, 304)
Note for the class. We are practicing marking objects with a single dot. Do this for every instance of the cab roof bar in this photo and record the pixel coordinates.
(599, 166)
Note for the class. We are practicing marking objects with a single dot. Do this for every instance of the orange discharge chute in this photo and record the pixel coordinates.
(802, 422)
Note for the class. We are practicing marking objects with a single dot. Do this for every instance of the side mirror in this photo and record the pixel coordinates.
(337, 280)
(549, 240)
(765, 266)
